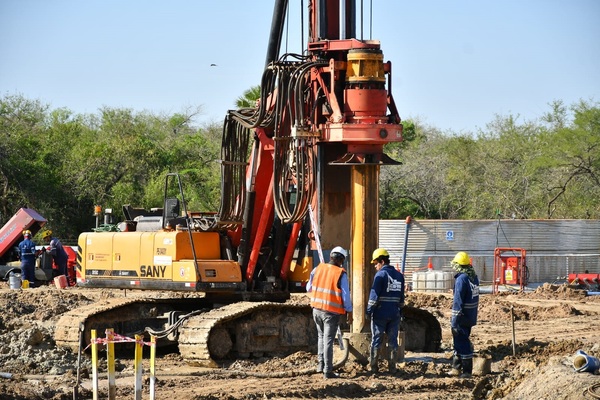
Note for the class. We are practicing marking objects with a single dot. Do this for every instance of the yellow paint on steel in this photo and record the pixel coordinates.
(365, 66)
(139, 347)
(152, 366)
(110, 360)
(94, 365)
(364, 239)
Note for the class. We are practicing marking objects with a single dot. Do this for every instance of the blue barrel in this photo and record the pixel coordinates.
(585, 363)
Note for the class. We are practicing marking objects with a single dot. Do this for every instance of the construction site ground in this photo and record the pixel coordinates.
(551, 323)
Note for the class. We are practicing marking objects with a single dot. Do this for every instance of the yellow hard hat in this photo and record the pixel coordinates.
(378, 253)
(47, 234)
(26, 232)
(461, 258)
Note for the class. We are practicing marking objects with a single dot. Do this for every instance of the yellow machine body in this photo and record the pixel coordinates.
(155, 260)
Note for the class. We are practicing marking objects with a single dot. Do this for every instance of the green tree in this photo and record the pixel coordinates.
(572, 162)
(21, 127)
(508, 175)
(249, 98)
(417, 187)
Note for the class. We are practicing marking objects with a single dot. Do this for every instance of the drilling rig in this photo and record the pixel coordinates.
(314, 141)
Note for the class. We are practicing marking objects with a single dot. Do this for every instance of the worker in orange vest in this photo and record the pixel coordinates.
(330, 299)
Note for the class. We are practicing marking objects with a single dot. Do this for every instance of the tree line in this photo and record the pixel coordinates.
(62, 164)
(546, 169)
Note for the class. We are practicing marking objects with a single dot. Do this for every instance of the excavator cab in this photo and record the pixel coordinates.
(171, 214)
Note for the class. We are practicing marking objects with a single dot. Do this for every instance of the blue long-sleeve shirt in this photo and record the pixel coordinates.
(466, 301)
(58, 252)
(386, 298)
(27, 251)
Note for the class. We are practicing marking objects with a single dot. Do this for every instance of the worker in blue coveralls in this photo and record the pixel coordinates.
(59, 255)
(464, 314)
(27, 255)
(386, 300)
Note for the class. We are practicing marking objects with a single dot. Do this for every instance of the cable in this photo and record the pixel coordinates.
(295, 156)
(499, 227)
(294, 166)
(174, 327)
(234, 155)
(593, 390)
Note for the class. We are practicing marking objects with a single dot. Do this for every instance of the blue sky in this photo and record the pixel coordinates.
(456, 64)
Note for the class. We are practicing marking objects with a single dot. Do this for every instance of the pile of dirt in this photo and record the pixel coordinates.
(26, 325)
(551, 291)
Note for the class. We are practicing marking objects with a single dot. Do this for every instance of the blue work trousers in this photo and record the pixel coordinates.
(462, 342)
(390, 327)
(327, 325)
(28, 270)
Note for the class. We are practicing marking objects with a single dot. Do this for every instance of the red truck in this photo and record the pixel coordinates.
(12, 233)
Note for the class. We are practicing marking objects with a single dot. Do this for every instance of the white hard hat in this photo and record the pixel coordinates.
(340, 250)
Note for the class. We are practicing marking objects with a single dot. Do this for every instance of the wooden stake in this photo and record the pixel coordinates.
(512, 319)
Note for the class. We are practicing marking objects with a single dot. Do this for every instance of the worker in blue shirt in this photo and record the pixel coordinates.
(386, 300)
(330, 299)
(59, 255)
(27, 255)
(464, 314)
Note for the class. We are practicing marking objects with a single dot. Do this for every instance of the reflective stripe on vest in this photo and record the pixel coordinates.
(325, 293)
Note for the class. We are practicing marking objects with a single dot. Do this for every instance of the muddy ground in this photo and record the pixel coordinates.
(551, 324)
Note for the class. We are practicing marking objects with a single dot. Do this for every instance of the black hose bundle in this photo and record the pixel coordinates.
(295, 150)
(234, 156)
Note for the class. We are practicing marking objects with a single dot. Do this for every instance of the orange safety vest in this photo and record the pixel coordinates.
(325, 293)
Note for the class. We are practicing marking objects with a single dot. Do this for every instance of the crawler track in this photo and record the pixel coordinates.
(247, 328)
(127, 316)
(240, 329)
(212, 334)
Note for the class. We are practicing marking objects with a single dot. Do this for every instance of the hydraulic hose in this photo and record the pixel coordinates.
(234, 155)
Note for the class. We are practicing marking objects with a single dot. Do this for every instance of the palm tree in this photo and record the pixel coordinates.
(249, 98)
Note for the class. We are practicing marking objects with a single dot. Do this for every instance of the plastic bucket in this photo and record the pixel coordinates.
(482, 365)
(14, 281)
(60, 282)
(585, 363)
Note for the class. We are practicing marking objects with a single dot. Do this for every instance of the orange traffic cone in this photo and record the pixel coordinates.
(429, 265)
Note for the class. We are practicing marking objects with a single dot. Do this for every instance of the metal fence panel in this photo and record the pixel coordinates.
(554, 248)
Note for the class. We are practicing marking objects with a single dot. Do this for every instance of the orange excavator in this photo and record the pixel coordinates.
(313, 142)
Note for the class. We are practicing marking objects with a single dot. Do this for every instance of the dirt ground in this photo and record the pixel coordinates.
(550, 325)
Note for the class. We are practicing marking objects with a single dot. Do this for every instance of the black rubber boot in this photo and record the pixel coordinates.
(456, 366)
(467, 366)
(392, 361)
(373, 360)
